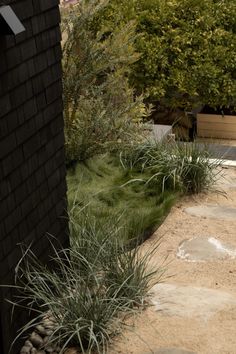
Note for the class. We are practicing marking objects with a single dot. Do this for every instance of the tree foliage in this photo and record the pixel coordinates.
(188, 50)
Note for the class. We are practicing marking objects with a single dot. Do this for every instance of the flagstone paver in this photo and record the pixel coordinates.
(199, 249)
(190, 301)
(212, 211)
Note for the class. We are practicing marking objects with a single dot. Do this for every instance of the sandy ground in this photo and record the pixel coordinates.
(151, 330)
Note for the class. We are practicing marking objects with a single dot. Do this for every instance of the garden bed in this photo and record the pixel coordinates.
(115, 202)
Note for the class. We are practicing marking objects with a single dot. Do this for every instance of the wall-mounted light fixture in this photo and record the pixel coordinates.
(9, 22)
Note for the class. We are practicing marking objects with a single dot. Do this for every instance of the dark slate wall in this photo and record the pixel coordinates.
(32, 163)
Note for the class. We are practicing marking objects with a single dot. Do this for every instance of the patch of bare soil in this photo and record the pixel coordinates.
(215, 334)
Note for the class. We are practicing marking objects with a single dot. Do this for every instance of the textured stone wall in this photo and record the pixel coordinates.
(32, 163)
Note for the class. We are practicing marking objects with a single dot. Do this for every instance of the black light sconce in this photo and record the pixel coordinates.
(9, 22)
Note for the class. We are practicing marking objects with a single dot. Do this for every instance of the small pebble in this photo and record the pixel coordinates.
(33, 351)
(36, 339)
(72, 350)
(49, 327)
(25, 350)
(50, 348)
(48, 324)
(45, 340)
(48, 332)
(41, 330)
(28, 344)
(48, 321)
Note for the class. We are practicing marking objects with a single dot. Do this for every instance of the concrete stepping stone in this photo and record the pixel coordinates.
(229, 183)
(212, 211)
(199, 249)
(190, 301)
(172, 351)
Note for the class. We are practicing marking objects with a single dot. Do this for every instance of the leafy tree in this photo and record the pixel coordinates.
(188, 50)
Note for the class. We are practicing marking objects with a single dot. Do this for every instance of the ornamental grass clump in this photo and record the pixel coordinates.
(184, 167)
(198, 173)
(82, 309)
(88, 288)
(123, 268)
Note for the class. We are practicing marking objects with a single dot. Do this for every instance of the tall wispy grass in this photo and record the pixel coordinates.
(102, 186)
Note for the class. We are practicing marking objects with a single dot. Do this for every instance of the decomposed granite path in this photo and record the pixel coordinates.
(194, 309)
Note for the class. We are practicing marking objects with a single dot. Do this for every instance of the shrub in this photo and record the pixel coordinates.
(100, 110)
(187, 47)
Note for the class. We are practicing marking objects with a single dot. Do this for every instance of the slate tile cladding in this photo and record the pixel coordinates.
(32, 162)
